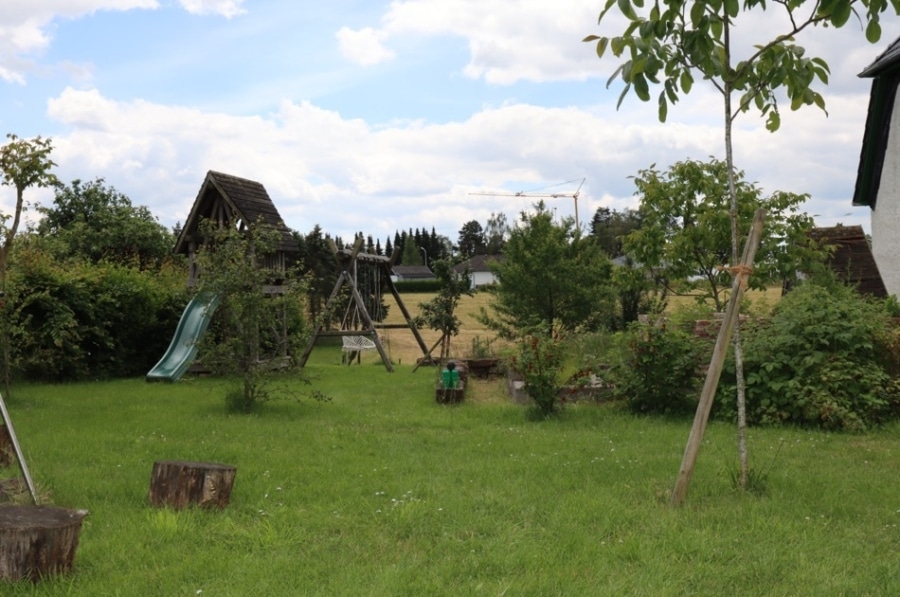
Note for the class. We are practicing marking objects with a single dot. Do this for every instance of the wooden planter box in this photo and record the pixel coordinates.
(483, 367)
(450, 395)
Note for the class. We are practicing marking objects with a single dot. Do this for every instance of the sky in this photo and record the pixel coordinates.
(375, 116)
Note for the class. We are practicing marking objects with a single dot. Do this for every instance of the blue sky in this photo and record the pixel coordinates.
(379, 116)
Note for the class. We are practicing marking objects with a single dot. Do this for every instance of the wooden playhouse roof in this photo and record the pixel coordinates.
(852, 260)
(233, 201)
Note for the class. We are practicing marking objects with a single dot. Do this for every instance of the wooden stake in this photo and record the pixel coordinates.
(720, 351)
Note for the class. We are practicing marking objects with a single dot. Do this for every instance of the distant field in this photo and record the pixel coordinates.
(402, 345)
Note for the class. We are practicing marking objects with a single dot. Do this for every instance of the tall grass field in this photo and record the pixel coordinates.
(382, 491)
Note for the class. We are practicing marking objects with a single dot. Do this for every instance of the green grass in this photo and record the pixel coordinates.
(384, 492)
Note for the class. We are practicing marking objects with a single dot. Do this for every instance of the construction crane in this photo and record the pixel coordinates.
(538, 195)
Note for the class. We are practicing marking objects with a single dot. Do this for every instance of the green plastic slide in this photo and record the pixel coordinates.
(183, 349)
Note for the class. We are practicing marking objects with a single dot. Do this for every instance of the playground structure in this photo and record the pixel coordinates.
(228, 201)
(358, 330)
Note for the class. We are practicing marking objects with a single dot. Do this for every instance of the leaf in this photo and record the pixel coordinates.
(731, 8)
(623, 94)
(697, 12)
(627, 10)
(602, 43)
(841, 13)
(663, 107)
(686, 81)
(773, 122)
(873, 31)
(641, 88)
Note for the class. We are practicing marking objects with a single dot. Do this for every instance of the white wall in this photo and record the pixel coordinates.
(886, 215)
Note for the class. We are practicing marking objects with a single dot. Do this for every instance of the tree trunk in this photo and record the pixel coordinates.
(178, 484)
(37, 541)
(735, 257)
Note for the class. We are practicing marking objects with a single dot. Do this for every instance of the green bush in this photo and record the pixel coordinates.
(432, 285)
(539, 358)
(659, 369)
(78, 320)
(823, 360)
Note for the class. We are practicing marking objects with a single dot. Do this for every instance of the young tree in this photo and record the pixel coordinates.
(551, 277)
(24, 163)
(439, 313)
(253, 328)
(685, 231)
(672, 43)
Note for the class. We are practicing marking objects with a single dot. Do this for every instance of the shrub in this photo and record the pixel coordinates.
(77, 320)
(659, 369)
(539, 359)
(823, 360)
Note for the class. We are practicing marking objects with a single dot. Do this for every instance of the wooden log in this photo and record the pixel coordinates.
(178, 484)
(37, 541)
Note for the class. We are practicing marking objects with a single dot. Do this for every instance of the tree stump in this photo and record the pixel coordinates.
(179, 484)
(37, 541)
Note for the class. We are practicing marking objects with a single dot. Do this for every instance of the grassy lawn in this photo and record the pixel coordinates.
(384, 492)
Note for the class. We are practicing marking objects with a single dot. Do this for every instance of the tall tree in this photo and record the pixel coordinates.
(671, 43)
(496, 231)
(412, 252)
(685, 231)
(98, 223)
(319, 267)
(471, 239)
(609, 227)
(550, 278)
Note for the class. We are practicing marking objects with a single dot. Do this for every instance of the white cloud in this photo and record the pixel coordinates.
(225, 8)
(538, 41)
(348, 176)
(530, 40)
(363, 46)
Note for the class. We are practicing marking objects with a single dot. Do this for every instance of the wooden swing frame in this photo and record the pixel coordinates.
(347, 261)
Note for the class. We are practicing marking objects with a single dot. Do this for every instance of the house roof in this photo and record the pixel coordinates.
(852, 260)
(885, 74)
(234, 201)
(410, 272)
(477, 263)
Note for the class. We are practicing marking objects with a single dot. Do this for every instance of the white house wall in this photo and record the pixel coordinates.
(886, 215)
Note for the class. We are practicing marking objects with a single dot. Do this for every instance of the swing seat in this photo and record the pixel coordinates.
(356, 343)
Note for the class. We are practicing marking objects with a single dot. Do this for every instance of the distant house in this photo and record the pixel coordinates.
(878, 177)
(851, 259)
(479, 269)
(411, 272)
(234, 202)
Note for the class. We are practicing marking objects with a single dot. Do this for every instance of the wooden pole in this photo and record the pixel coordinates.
(23, 466)
(717, 362)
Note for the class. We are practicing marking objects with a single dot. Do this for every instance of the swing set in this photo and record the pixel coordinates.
(358, 331)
